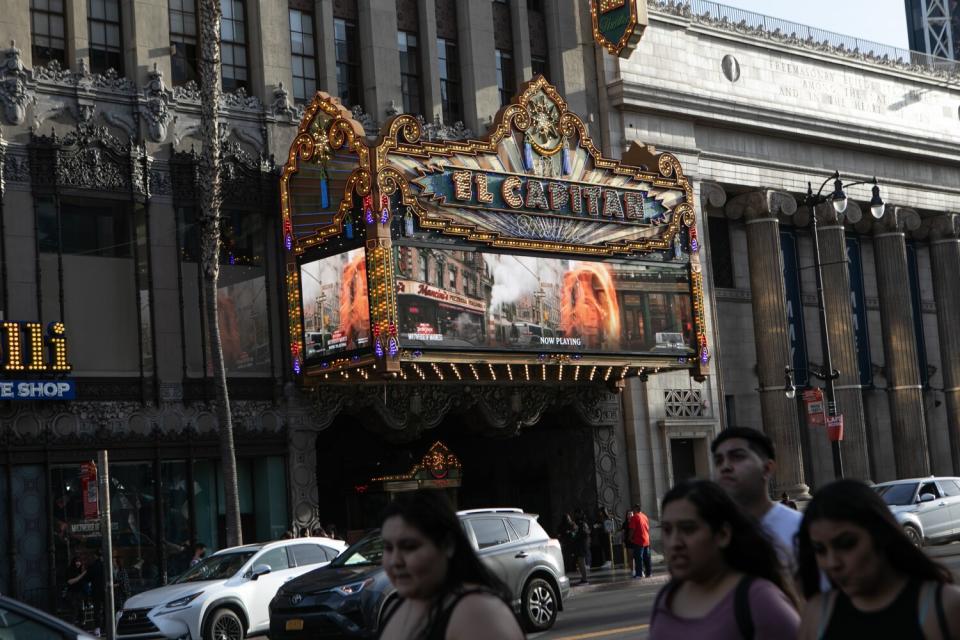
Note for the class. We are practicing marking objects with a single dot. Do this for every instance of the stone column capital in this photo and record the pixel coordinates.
(712, 194)
(761, 204)
(897, 220)
(944, 226)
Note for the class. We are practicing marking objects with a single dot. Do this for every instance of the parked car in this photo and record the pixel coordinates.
(225, 596)
(19, 621)
(928, 509)
(351, 596)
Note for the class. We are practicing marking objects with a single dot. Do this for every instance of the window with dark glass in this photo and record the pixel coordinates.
(183, 41)
(505, 76)
(241, 237)
(721, 259)
(101, 229)
(450, 99)
(47, 32)
(346, 41)
(103, 22)
(304, 56)
(409, 71)
(233, 45)
(452, 271)
(538, 65)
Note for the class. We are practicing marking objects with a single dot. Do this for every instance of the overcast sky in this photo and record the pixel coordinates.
(882, 21)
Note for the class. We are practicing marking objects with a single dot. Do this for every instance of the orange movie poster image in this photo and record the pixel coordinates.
(336, 313)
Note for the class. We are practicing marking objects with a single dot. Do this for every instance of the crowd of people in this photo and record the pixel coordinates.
(741, 565)
(85, 586)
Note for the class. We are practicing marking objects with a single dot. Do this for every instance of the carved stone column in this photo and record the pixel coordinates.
(907, 419)
(945, 262)
(760, 209)
(843, 339)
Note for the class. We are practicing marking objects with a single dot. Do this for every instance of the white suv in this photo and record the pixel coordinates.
(225, 596)
(928, 509)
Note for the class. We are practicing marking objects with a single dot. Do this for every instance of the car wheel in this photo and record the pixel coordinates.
(915, 538)
(224, 625)
(539, 605)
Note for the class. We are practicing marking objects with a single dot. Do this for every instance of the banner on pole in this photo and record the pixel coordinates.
(90, 491)
(816, 407)
(835, 428)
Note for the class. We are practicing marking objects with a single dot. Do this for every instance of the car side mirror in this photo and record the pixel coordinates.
(927, 497)
(259, 570)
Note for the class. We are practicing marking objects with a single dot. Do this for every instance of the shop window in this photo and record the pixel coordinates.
(176, 516)
(106, 41)
(721, 259)
(347, 46)
(47, 32)
(233, 47)
(450, 96)
(303, 55)
(87, 228)
(183, 41)
(409, 72)
(505, 82)
(242, 236)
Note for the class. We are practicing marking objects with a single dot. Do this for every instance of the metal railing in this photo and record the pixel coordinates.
(742, 20)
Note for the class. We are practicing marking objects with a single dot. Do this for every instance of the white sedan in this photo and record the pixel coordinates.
(226, 596)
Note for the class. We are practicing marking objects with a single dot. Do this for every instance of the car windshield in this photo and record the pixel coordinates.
(221, 566)
(897, 494)
(366, 552)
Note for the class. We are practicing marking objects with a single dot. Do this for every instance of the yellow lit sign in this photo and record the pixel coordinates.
(45, 352)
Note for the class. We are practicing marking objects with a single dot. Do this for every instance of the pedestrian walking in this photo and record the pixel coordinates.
(565, 534)
(581, 544)
(97, 581)
(75, 589)
(627, 542)
(884, 587)
(640, 537)
(600, 537)
(726, 580)
(744, 461)
(444, 590)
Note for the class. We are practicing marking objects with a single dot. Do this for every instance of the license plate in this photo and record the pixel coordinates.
(294, 625)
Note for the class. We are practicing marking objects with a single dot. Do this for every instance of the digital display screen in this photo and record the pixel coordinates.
(476, 300)
(336, 314)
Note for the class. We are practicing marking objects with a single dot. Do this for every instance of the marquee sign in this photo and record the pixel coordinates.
(525, 250)
(617, 24)
(537, 183)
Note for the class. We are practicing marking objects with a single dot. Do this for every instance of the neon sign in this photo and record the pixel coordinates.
(41, 352)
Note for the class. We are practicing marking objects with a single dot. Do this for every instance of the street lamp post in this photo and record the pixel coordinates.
(838, 199)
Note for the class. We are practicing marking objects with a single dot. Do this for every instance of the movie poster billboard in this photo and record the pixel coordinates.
(336, 314)
(474, 300)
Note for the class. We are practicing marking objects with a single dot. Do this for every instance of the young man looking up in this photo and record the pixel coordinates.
(743, 461)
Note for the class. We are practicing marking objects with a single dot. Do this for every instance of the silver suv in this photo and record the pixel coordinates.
(517, 549)
(928, 509)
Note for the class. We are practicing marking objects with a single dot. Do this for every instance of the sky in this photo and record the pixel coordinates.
(883, 21)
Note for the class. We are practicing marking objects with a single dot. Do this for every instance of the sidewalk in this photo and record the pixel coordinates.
(617, 577)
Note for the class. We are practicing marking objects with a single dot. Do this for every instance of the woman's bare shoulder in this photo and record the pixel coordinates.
(479, 616)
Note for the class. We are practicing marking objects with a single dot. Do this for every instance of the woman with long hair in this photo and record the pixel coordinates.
(445, 591)
(726, 581)
(884, 587)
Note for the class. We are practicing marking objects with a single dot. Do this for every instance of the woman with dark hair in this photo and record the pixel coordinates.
(726, 581)
(884, 587)
(445, 591)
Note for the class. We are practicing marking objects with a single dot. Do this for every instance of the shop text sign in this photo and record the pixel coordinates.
(526, 195)
(38, 390)
(32, 355)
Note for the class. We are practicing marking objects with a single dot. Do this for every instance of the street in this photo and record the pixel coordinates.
(622, 610)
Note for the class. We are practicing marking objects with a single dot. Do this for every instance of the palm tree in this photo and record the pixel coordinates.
(210, 198)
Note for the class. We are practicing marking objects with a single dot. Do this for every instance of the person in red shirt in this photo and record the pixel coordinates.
(639, 531)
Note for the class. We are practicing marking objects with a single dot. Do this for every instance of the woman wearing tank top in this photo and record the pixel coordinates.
(726, 580)
(445, 591)
(883, 586)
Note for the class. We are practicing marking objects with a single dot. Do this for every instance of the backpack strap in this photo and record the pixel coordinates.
(741, 608)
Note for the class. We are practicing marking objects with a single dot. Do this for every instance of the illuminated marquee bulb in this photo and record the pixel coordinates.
(35, 331)
(14, 354)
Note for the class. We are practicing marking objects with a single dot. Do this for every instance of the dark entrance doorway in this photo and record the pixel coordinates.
(546, 469)
(683, 458)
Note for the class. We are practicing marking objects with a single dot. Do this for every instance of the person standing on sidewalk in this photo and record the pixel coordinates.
(581, 544)
(744, 461)
(640, 537)
(627, 542)
(726, 579)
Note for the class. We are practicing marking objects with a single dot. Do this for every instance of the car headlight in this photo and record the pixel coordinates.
(353, 588)
(184, 601)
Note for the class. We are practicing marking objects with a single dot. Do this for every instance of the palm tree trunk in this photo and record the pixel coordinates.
(210, 198)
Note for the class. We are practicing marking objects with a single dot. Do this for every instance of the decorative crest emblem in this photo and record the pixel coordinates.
(618, 24)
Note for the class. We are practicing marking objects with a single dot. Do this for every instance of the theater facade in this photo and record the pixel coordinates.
(489, 296)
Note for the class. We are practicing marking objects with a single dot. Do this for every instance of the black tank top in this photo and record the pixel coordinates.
(437, 626)
(900, 620)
